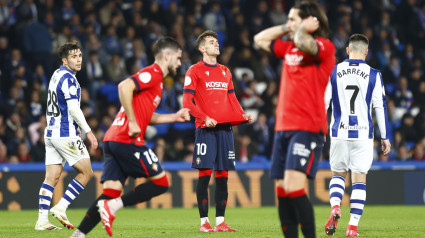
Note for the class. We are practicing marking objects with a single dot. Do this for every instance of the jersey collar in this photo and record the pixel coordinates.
(209, 65)
(155, 65)
(358, 61)
(65, 68)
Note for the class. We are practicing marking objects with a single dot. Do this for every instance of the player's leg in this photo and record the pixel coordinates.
(304, 153)
(287, 214)
(225, 162)
(92, 217)
(203, 160)
(111, 172)
(74, 151)
(53, 172)
(339, 158)
(54, 166)
(204, 176)
(144, 165)
(361, 153)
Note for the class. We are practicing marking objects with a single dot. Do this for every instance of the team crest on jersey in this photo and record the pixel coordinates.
(155, 167)
(207, 73)
(198, 160)
(224, 73)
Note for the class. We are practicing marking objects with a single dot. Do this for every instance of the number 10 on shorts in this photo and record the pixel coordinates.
(201, 148)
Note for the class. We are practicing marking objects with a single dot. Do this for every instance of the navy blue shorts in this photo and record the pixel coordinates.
(124, 160)
(297, 150)
(214, 148)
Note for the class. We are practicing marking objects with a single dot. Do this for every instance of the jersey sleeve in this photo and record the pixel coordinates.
(144, 80)
(380, 106)
(69, 87)
(328, 92)
(232, 95)
(325, 49)
(280, 47)
(190, 81)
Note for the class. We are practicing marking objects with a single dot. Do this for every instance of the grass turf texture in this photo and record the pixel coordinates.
(377, 221)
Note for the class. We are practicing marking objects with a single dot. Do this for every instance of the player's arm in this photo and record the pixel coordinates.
(264, 38)
(181, 116)
(303, 39)
(126, 90)
(78, 116)
(195, 111)
(328, 93)
(380, 106)
(234, 100)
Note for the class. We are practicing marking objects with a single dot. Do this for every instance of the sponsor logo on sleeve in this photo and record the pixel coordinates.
(187, 81)
(145, 77)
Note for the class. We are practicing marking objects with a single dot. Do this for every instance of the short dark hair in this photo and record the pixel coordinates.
(312, 8)
(201, 37)
(164, 43)
(66, 48)
(358, 38)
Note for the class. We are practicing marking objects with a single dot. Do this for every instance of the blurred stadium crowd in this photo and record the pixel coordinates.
(116, 37)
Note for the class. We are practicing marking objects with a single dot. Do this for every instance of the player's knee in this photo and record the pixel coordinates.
(162, 182)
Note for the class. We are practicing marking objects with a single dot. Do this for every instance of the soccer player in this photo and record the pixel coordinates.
(354, 89)
(125, 151)
(62, 138)
(209, 94)
(301, 117)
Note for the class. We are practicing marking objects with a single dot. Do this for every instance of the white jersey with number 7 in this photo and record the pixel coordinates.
(354, 89)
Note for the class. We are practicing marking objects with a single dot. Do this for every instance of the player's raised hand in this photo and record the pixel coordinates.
(92, 139)
(385, 146)
(248, 118)
(133, 129)
(310, 24)
(182, 115)
(209, 122)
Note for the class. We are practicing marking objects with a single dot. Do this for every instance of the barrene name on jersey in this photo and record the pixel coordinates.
(353, 71)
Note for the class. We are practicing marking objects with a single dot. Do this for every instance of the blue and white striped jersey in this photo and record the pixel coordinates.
(63, 86)
(355, 88)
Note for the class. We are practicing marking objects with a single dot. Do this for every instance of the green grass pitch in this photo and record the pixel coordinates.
(377, 221)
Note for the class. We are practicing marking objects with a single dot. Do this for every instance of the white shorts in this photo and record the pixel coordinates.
(356, 155)
(67, 149)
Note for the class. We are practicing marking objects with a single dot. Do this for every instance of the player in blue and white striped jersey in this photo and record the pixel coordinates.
(62, 138)
(354, 89)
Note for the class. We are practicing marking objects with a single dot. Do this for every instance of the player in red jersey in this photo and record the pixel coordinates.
(125, 151)
(301, 115)
(210, 96)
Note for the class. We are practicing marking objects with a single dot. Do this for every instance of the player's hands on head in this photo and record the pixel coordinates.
(310, 24)
(92, 139)
(385, 146)
(133, 129)
(182, 115)
(209, 122)
(248, 118)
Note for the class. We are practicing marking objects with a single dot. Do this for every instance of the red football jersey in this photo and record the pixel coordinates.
(146, 99)
(214, 94)
(301, 104)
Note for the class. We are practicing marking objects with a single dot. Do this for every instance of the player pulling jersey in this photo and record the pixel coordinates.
(148, 80)
(354, 88)
(214, 94)
(63, 86)
(304, 79)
